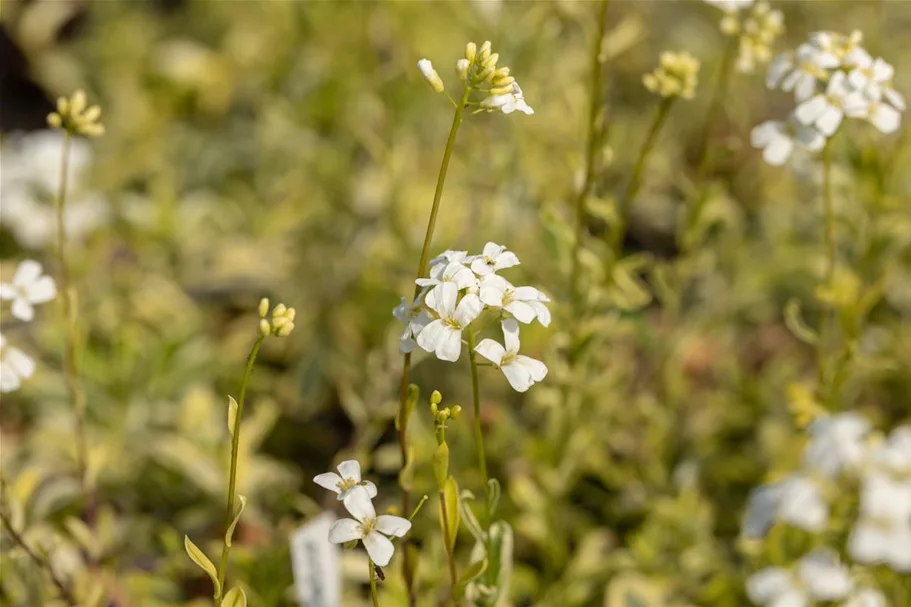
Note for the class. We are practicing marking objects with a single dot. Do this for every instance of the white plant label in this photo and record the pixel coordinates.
(317, 577)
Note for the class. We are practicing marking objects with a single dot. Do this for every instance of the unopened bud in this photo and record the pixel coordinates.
(279, 310)
(484, 52)
(471, 51)
(54, 120)
(456, 412)
(265, 329)
(263, 307)
(433, 408)
(284, 330)
(500, 81)
(486, 74)
(435, 397)
(500, 90)
(462, 66)
(492, 60)
(441, 464)
(431, 76)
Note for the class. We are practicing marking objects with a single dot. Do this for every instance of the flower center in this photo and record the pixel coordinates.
(510, 356)
(346, 483)
(452, 322)
(368, 525)
(509, 296)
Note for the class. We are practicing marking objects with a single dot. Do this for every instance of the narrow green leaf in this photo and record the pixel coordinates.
(229, 534)
(468, 517)
(472, 572)
(500, 557)
(200, 558)
(794, 321)
(232, 414)
(236, 597)
(451, 495)
(493, 497)
(405, 410)
(83, 536)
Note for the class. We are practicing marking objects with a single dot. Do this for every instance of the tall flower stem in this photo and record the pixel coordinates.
(476, 410)
(635, 183)
(67, 290)
(719, 93)
(235, 447)
(374, 595)
(826, 320)
(448, 544)
(595, 134)
(406, 366)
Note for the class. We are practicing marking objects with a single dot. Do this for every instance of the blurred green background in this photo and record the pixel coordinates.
(290, 149)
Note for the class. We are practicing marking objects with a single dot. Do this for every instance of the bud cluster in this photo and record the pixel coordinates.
(675, 76)
(282, 319)
(74, 117)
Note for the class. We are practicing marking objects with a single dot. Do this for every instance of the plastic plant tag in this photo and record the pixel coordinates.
(317, 577)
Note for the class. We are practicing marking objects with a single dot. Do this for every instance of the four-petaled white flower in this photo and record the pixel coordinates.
(874, 78)
(15, 365)
(801, 70)
(837, 443)
(453, 272)
(826, 111)
(27, 288)
(368, 527)
(348, 478)
(778, 139)
(443, 336)
(494, 257)
(415, 319)
(508, 102)
(524, 303)
(449, 255)
(522, 372)
(819, 577)
(796, 500)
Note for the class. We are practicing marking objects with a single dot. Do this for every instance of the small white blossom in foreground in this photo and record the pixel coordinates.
(522, 372)
(368, 527)
(837, 444)
(731, 5)
(28, 287)
(346, 480)
(778, 140)
(444, 335)
(454, 272)
(431, 75)
(800, 71)
(15, 366)
(494, 257)
(796, 500)
(826, 110)
(819, 577)
(522, 302)
(415, 318)
(508, 102)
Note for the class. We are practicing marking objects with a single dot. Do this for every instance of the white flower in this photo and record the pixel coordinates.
(431, 75)
(883, 497)
(444, 335)
(415, 319)
(837, 444)
(800, 71)
(881, 541)
(873, 77)
(796, 500)
(819, 577)
(28, 287)
(448, 256)
(508, 102)
(495, 257)
(522, 302)
(894, 455)
(453, 273)
(731, 5)
(368, 527)
(865, 597)
(778, 139)
(522, 372)
(344, 483)
(15, 365)
(826, 111)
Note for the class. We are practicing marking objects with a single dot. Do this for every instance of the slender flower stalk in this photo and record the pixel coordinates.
(406, 365)
(374, 595)
(476, 409)
(716, 105)
(235, 447)
(826, 319)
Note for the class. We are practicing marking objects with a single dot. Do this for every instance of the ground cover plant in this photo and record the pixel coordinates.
(480, 303)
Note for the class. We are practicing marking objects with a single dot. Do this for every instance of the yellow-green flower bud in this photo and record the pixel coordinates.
(263, 307)
(284, 330)
(54, 120)
(500, 90)
(265, 329)
(456, 412)
(279, 310)
(484, 52)
(441, 464)
(435, 397)
(72, 116)
(501, 72)
(486, 74)
(462, 66)
(471, 51)
(502, 81)
(433, 409)
(492, 60)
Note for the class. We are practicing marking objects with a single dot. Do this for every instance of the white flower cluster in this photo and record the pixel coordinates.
(372, 530)
(840, 447)
(832, 77)
(756, 24)
(459, 289)
(28, 288)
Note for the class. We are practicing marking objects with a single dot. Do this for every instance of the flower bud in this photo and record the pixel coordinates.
(492, 60)
(285, 330)
(54, 120)
(471, 51)
(279, 310)
(430, 75)
(484, 52)
(456, 412)
(435, 397)
(462, 66)
(486, 74)
(263, 307)
(265, 329)
(501, 81)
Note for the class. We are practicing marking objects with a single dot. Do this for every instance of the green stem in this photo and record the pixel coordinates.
(595, 133)
(476, 407)
(235, 447)
(406, 366)
(374, 595)
(826, 318)
(719, 94)
(635, 182)
(67, 291)
(448, 545)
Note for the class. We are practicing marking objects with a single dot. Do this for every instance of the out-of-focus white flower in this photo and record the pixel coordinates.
(874, 78)
(837, 444)
(881, 541)
(448, 256)
(415, 319)
(819, 577)
(452, 273)
(508, 102)
(521, 302)
(865, 597)
(894, 455)
(15, 366)
(826, 111)
(28, 287)
(800, 71)
(778, 139)
(522, 372)
(368, 527)
(796, 500)
(494, 258)
(443, 336)
(834, 46)
(347, 479)
(431, 75)
(731, 5)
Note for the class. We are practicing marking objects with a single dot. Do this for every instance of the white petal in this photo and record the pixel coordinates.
(19, 363)
(22, 309)
(882, 71)
(505, 260)
(492, 249)
(517, 376)
(866, 597)
(379, 548)
(802, 504)
(464, 277)
(809, 111)
(9, 381)
(858, 79)
(762, 510)
(830, 120)
(350, 469)
(358, 503)
(444, 299)
(767, 584)
(542, 312)
(328, 480)
(900, 549)
(778, 68)
(345, 530)
(535, 368)
(427, 282)
(838, 85)
(522, 311)
(895, 98)
(794, 597)
(868, 542)
(885, 118)
(809, 138)
(28, 272)
(763, 134)
(491, 294)
(432, 335)
(824, 577)
(510, 334)
(8, 291)
(778, 151)
(805, 87)
(392, 525)
(526, 294)
(491, 350)
(450, 346)
(469, 308)
(370, 487)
